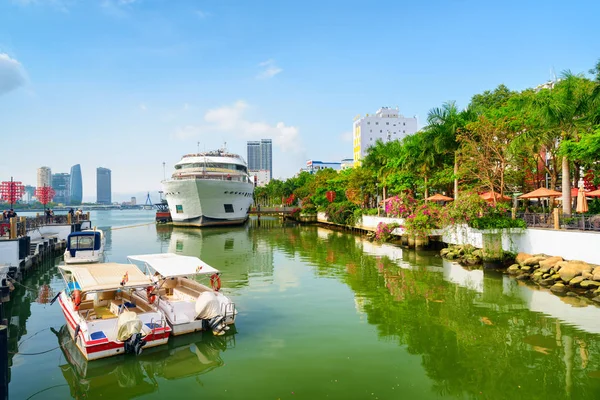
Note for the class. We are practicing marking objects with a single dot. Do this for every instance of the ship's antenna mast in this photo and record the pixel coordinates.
(164, 172)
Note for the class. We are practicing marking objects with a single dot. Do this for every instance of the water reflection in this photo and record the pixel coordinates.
(238, 252)
(128, 377)
(478, 334)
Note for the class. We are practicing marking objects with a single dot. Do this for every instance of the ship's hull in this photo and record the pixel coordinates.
(208, 202)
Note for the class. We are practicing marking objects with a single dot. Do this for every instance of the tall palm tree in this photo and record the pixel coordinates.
(444, 124)
(565, 111)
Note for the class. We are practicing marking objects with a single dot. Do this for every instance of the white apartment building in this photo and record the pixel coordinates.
(260, 177)
(387, 124)
(44, 177)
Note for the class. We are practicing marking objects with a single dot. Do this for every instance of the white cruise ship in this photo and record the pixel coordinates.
(211, 188)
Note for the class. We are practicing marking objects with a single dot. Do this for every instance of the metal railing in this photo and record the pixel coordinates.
(537, 220)
(581, 222)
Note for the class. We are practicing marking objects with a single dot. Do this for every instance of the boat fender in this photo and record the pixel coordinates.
(151, 296)
(215, 282)
(76, 297)
(77, 330)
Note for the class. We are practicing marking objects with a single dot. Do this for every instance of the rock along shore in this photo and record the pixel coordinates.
(564, 278)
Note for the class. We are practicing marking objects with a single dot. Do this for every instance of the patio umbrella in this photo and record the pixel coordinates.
(489, 197)
(595, 193)
(439, 197)
(582, 206)
(541, 193)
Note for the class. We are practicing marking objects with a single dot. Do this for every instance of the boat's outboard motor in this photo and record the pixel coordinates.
(134, 344)
(129, 332)
(208, 309)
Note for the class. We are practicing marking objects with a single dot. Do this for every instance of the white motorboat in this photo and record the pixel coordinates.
(103, 317)
(211, 188)
(187, 304)
(84, 247)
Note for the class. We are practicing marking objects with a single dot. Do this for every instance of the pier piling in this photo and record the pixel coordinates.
(4, 362)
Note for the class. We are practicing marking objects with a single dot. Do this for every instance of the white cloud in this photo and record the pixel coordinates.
(346, 136)
(232, 119)
(202, 14)
(12, 75)
(270, 69)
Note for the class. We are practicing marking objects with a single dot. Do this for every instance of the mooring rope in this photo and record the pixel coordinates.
(132, 226)
(20, 284)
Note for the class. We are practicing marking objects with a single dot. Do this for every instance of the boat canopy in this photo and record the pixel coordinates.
(84, 240)
(170, 265)
(106, 276)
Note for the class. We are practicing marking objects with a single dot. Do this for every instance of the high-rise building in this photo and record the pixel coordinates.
(387, 124)
(103, 186)
(76, 185)
(254, 155)
(260, 156)
(61, 185)
(44, 177)
(266, 156)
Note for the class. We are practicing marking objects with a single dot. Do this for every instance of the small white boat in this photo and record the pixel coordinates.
(103, 317)
(85, 247)
(187, 304)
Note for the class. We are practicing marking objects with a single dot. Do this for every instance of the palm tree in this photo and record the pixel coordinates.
(565, 111)
(444, 124)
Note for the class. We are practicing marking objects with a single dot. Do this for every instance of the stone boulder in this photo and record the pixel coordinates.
(522, 257)
(550, 262)
(558, 288)
(531, 261)
(576, 281)
(587, 275)
(513, 269)
(596, 270)
(590, 284)
(572, 269)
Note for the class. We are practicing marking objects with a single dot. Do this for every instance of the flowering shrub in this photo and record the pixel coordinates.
(400, 206)
(426, 217)
(341, 213)
(384, 231)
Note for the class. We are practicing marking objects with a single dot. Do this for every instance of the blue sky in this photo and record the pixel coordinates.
(128, 84)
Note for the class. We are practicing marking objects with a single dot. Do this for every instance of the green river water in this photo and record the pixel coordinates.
(322, 315)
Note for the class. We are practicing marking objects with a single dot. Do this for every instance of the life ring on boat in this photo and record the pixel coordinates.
(151, 296)
(76, 297)
(215, 282)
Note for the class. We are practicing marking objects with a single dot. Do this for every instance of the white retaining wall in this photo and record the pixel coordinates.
(571, 245)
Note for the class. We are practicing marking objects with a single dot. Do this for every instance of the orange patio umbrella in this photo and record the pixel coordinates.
(595, 193)
(540, 193)
(439, 197)
(488, 196)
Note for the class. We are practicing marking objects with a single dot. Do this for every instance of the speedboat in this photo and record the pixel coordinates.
(85, 247)
(188, 305)
(103, 317)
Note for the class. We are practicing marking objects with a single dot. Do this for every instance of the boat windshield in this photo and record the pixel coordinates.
(89, 241)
